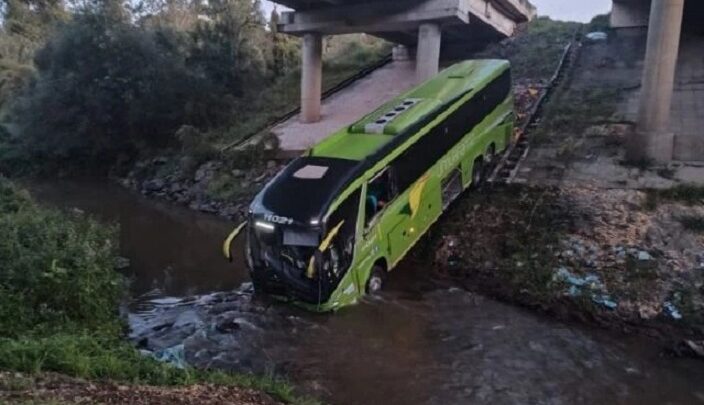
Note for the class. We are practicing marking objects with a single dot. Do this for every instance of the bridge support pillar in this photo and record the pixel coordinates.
(653, 139)
(428, 53)
(311, 77)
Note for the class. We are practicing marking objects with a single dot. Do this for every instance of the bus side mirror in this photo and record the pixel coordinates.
(226, 250)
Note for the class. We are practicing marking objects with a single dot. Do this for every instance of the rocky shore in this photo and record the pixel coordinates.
(607, 257)
(214, 187)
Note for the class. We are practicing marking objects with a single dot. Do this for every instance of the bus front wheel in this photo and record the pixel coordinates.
(376, 280)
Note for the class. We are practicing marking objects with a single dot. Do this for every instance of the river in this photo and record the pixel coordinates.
(421, 342)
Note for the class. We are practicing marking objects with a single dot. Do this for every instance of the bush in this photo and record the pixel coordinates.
(600, 22)
(59, 300)
(107, 87)
(56, 272)
(535, 50)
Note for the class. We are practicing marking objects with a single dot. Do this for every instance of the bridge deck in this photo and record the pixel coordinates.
(463, 21)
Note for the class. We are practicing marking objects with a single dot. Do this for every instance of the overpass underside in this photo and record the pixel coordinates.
(669, 112)
(465, 23)
(422, 29)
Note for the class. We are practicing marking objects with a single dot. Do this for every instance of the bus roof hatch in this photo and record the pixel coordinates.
(393, 120)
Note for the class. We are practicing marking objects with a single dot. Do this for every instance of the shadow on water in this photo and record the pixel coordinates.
(173, 251)
(416, 344)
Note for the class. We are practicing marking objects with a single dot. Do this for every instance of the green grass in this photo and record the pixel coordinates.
(95, 356)
(570, 113)
(519, 237)
(59, 299)
(536, 50)
(693, 223)
(689, 194)
(347, 56)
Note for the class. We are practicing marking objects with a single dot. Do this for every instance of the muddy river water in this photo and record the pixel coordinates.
(416, 344)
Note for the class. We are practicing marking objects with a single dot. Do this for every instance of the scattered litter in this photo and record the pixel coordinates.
(605, 300)
(644, 256)
(176, 356)
(574, 291)
(632, 370)
(590, 282)
(672, 310)
(696, 347)
(597, 36)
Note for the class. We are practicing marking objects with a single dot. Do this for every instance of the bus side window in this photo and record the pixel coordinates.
(380, 192)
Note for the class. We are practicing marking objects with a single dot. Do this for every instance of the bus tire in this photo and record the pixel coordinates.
(490, 155)
(477, 172)
(376, 280)
(489, 161)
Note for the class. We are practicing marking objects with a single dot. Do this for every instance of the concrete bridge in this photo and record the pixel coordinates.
(422, 28)
(670, 109)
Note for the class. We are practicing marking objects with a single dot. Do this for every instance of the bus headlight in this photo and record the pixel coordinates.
(264, 226)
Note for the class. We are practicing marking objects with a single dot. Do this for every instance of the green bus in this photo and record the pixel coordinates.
(330, 226)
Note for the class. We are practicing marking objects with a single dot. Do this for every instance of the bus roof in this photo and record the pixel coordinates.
(366, 136)
(305, 189)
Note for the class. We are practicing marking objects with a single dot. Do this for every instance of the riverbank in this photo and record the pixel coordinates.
(583, 233)
(606, 258)
(50, 388)
(429, 340)
(60, 312)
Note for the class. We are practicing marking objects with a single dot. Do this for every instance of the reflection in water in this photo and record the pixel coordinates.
(172, 250)
(416, 345)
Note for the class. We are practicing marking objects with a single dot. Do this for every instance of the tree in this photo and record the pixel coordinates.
(285, 49)
(32, 19)
(230, 44)
(105, 88)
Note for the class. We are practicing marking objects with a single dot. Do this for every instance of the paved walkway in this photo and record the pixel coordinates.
(347, 106)
(595, 157)
(688, 102)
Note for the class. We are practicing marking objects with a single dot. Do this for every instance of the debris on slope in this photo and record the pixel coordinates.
(55, 388)
(602, 250)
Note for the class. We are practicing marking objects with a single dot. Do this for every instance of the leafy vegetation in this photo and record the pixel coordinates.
(536, 49)
(59, 298)
(344, 56)
(685, 193)
(55, 272)
(508, 238)
(694, 223)
(113, 82)
(599, 23)
(573, 111)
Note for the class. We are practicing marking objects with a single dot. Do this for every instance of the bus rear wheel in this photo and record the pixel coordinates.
(489, 161)
(376, 280)
(477, 172)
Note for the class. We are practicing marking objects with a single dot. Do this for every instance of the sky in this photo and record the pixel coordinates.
(569, 10)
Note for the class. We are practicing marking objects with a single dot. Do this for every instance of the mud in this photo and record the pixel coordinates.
(54, 388)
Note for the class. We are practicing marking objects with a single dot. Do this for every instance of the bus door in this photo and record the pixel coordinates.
(385, 215)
